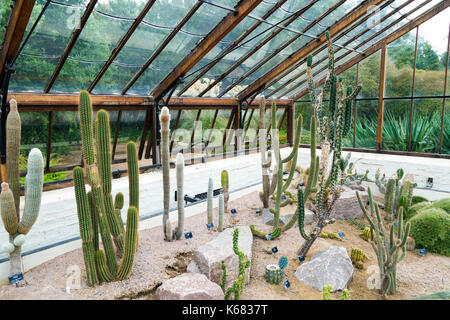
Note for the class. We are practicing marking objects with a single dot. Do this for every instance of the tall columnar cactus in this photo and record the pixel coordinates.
(164, 119)
(225, 188)
(390, 248)
(96, 210)
(180, 194)
(221, 210)
(209, 200)
(16, 225)
(332, 122)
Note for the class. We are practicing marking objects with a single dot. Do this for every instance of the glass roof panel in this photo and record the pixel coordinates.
(5, 11)
(200, 24)
(41, 53)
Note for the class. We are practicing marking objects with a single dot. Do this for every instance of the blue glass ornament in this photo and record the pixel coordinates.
(268, 236)
(233, 211)
(341, 235)
(274, 250)
(422, 252)
(258, 211)
(286, 284)
(188, 235)
(210, 225)
(301, 258)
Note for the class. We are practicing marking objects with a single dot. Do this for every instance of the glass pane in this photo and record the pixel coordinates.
(427, 125)
(5, 11)
(431, 52)
(446, 131)
(396, 125)
(369, 75)
(306, 110)
(131, 125)
(399, 66)
(366, 124)
(66, 139)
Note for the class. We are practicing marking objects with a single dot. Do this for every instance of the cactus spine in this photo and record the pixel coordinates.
(225, 188)
(16, 225)
(390, 248)
(180, 194)
(221, 210)
(96, 210)
(209, 210)
(331, 125)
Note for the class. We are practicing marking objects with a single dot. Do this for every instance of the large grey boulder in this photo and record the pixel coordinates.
(189, 286)
(208, 257)
(347, 206)
(327, 267)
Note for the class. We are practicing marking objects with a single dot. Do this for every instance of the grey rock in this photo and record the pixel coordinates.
(193, 268)
(347, 206)
(327, 267)
(209, 256)
(189, 286)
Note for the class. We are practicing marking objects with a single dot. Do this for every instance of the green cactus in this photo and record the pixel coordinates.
(238, 284)
(180, 193)
(301, 214)
(86, 228)
(221, 210)
(130, 245)
(389, 199)
(18, 225)
(104, 215)
(332, 122)
(225, 188)
(391, 249)
(103, 271)
(209, 209)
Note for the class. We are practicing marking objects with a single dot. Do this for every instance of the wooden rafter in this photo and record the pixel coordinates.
(17, 24)
(441, 6)
(115, 52)
(365, 41)
(218, 33)
(232, 46)
(73, 39)
(343, 23)
(257, 48)
(282, 47)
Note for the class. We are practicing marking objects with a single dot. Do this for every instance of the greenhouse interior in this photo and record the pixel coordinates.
(225, 150)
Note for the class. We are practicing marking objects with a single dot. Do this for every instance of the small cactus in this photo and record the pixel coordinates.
(225, 188)
(180, 195)
(221, 210)
(209, 210)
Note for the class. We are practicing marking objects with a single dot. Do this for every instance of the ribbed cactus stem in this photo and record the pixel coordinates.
(180, 195)
(133, 174)
(85, 225)
(210, 200)
(103, 271)
(13, 136)
(118, 201)
(389, 199)
(103, 144)
(94, 220)
(225, 188)
(301, 214)
(164, 119)
(265, 161)
(8, 210)
(34, 182)
(130, 245)
(221, 210)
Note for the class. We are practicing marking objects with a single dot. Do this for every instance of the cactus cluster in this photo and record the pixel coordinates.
(97, 212)
(333, 122)
(16, 225)
(273, 274)
(358, 257)
(238, 284)
(390, 247)
(327, 290)
(170, 233)
(398, 192)
(276, 185)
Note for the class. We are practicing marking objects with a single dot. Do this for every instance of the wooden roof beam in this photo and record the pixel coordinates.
(343, 23)
(17, 25)
(385, 41)
(227, 24)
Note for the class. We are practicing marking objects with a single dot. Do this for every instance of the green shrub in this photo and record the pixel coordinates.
(431, 230)
(418, 199)
(443, 204)
(414, 209)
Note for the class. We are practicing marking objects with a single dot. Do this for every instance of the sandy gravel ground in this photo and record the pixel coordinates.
(157, 260)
